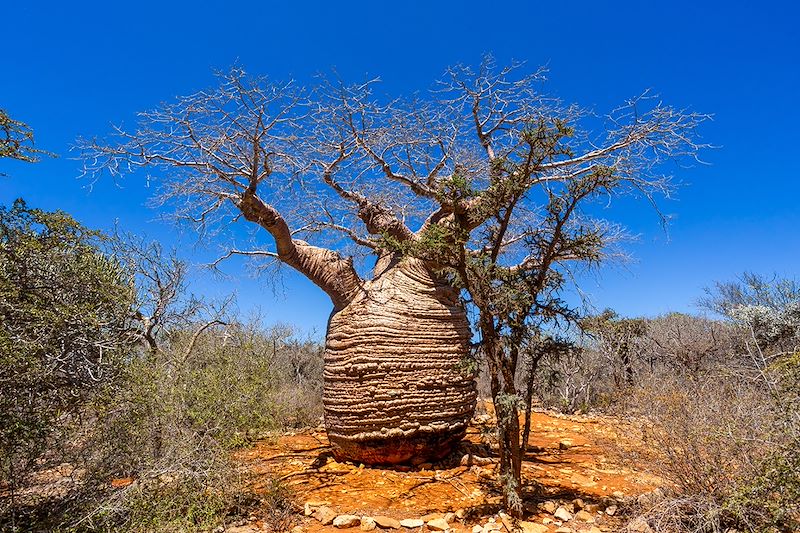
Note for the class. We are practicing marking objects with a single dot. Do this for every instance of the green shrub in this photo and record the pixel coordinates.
(64, 328)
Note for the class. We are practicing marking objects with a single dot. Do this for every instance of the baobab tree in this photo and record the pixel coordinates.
(473, 195)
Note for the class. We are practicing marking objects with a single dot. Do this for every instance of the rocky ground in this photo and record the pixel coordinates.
(575, 482)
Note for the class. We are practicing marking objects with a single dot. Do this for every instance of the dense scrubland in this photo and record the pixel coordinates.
(123, 395)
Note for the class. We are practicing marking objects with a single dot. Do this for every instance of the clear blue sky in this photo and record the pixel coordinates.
(71, 68)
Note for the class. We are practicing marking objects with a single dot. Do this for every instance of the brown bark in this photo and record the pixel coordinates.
(395, 389)
(507, 423)
(325, 268)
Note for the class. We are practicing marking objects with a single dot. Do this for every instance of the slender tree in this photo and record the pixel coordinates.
(472, 195)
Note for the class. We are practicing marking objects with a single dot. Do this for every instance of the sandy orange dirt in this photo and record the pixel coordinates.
(569, 459)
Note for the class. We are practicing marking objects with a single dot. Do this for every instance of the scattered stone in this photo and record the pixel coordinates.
(412, 523)
(562, 514)
(592, 507)
(546, 521)
(310, 505)
(438, 524)
(584, 516)
(449, 517)
(530, 527)
(367, 523)
(430, 516)
(477, 529)
(325, 515)
(549, 506)
(491, 526)
(618, 495)
(565, 444)
(297, 529)
(611, 510)
(387, 523)
(640, 526)
(564, 529)
(461, 513)
(594, 529)
(578, 503)
(346, 521)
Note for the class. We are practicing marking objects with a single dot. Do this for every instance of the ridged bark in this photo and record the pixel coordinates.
(395, 383)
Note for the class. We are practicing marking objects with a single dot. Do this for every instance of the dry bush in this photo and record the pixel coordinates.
(576, 381)
(171, 428)
(727, 440)
(719, 404)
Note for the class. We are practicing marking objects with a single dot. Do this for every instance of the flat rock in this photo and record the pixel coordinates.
(562, 514)
(531, 527)
(584, 516)
(412, 523)
(346, 521)
(387, 523)
(367, 523)
(325, 515)
(438, 524)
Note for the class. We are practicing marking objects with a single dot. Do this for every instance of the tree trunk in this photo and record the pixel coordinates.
(395, 384)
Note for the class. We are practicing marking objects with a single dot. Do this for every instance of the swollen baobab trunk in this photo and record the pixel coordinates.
(395, 383)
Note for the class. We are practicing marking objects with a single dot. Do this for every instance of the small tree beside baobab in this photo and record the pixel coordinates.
(476, 195)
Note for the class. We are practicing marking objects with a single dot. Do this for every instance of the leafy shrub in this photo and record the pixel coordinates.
(64, 328)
